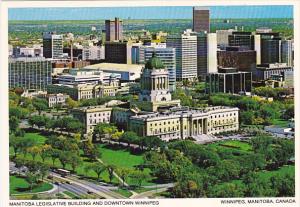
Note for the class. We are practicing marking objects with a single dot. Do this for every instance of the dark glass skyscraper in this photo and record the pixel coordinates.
(113, 29)
(201, 21)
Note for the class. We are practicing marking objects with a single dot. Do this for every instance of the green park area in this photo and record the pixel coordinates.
(20, 185)
(119, 157)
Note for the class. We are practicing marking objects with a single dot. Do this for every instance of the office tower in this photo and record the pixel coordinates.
(168, 58)
(229, 80)
(287, 52)
(185, 45)
(206, 54)
(29, 73)
(201, 19)
(270, 47)
(270, 50)
(222, 37)
(113, 29)
(257, 48)
(52, 45)
(118, 52)
(237, 57)
(243, 39)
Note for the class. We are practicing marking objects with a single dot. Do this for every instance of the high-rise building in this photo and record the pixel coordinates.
(268, 47)
(185, 45)
(29, 73)
(236, 57)
(229, 80)
(242, 39)
(113, 29)
(206, 54)
(201, 20)
(287, 52)
(52, 45)
(270, 50)
(222, 37)
(118, 52)
(168, 58)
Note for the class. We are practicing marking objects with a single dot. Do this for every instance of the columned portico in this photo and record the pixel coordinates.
(199, 126)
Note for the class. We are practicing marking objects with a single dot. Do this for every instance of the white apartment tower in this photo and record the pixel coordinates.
(185, 45)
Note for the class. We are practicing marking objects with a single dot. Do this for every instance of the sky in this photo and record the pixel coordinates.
(168, 12)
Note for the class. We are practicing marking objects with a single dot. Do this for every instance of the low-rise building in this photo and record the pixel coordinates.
(128, 72)
(92, 115)
(56, 99)
(184, 123)
(83, 91)
(265, 71)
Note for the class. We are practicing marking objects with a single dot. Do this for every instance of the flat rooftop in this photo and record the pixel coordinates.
(115, 67)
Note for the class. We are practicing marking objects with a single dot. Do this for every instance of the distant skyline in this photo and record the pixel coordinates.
(169, 12)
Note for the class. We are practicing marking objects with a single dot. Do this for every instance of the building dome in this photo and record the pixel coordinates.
(154, 63)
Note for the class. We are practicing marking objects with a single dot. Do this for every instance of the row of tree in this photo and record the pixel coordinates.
(111, 132)
(65, 123)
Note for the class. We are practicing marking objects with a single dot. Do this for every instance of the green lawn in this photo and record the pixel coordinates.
(123, 192)
(123, 158)
(72, 195)
(280, 122)
(233, 144)
(290, 169)
(40, 139)
(19, 185)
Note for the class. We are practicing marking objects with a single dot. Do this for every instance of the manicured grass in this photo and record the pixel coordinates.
(123, 192)
(39, 139)
(72, 195)
(19, 185)
(290, 169)
(123, 158)
(233, 144)
(280, 122)
(120, 157)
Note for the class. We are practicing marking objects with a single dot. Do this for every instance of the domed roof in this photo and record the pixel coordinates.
(154, 63)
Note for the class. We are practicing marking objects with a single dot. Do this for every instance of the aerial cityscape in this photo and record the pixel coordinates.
(169, 102)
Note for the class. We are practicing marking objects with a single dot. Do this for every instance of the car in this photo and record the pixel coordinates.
(89, 192)
(68, 182)
(56, 183)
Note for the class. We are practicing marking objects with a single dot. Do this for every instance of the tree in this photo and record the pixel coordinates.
(99, 130)
(55, 153)
(227, 190)
(38, 120)
(65, 157)
(116, 136)
(31, 179)
(40, 104)
(139, 177)
(98, 168)
(45, 151)
(123, 173)
(75, 161)
(34, 151)
(129, 137)
(44, 170)
(13, 123)
(110, 170)
(20, 162)
(71, 103)
(15, 143)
